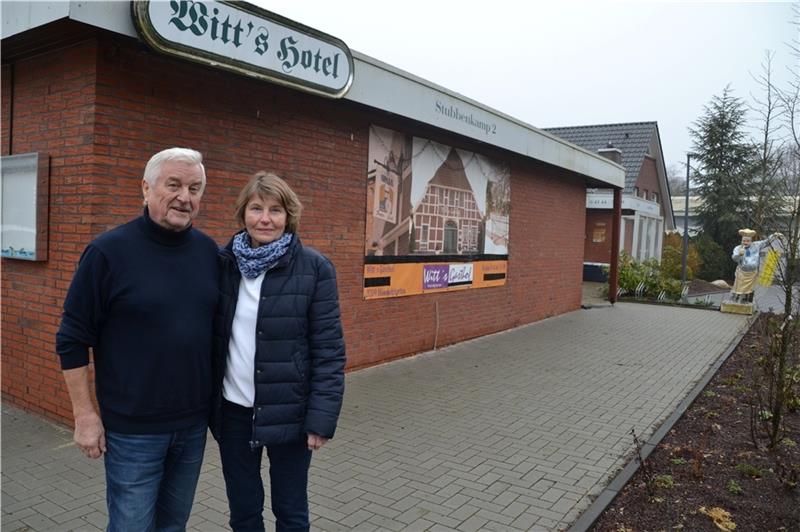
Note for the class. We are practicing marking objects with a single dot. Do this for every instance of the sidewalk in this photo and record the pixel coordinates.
(767, 298)
(520, 430)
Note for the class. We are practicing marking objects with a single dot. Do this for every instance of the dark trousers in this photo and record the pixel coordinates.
(241, 466)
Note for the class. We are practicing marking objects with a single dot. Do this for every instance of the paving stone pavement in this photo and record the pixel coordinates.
(515, 431)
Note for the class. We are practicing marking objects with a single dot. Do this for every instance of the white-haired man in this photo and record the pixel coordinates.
(143, 298)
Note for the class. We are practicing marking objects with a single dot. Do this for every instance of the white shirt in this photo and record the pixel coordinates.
(238, 385)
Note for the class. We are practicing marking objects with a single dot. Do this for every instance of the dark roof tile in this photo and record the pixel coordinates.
(632, 139)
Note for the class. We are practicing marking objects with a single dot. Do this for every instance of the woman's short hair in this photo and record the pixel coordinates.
(268, 185)
(183, 155)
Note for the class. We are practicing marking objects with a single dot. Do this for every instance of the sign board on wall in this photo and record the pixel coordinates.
(437, 217)
(604, 200)
(24, 198)
(243, 38)
(406, 279)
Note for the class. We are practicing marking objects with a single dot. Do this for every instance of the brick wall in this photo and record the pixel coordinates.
(648, 179)
(597, 251)
(6, 77)
(52, 112)
(134, 103)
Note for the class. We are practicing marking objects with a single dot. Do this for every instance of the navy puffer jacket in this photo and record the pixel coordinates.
(300, 355)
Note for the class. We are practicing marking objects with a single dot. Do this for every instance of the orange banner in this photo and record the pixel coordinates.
(408, 279)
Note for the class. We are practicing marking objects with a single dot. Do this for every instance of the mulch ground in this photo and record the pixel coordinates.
(699, 286)
(707, 467)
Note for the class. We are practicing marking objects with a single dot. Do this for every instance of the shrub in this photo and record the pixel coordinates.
(672, 263)
(648, 274)
(672, 257)
(716, 263)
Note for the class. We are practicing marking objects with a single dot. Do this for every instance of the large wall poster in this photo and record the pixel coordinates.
(437, 217)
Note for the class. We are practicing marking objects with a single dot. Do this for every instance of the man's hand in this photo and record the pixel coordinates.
(316, 442)
(90, 436)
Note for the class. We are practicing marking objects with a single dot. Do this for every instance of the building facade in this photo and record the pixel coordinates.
(81, 89)
(646, 204)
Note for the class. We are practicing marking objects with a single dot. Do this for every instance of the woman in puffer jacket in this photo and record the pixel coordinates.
(279, 357)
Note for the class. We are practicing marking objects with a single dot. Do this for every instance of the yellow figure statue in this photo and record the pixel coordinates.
(747, 257)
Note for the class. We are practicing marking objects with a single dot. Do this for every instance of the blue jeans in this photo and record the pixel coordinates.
(151, 478)
(241, 467)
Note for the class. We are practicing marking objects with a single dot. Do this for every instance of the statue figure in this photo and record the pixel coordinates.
(747, 257)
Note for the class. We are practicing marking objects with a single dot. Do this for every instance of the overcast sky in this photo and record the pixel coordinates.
(562, 63)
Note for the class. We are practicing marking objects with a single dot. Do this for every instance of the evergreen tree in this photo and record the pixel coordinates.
(727, 170)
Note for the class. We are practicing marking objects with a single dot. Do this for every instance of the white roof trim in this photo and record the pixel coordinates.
(661, 170)
(390, 89)
(375, 84)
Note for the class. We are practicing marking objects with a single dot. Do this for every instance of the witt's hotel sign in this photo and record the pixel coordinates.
(248, 40)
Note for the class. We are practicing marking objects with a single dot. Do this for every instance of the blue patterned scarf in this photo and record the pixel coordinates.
(255, 261)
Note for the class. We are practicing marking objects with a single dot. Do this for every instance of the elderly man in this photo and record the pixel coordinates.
(143, 299)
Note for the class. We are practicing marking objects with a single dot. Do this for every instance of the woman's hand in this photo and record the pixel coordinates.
(316, 442)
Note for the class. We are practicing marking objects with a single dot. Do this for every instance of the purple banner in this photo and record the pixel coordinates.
(435, 276)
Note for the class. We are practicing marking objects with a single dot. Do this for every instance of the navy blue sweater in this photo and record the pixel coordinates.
(143, 298)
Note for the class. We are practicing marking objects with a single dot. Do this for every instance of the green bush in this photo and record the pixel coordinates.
(672, 263)
(716, 263)
(648, 273)
(672, 257)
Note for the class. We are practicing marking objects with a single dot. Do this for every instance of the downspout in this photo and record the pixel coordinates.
(613, 274)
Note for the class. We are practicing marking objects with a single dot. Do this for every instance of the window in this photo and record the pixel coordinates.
(654, 196)
(450, 237)
(470, 238)
(599, 233)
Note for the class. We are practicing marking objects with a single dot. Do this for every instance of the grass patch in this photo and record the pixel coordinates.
(664, 482)
(734, 487)
(749, 470)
